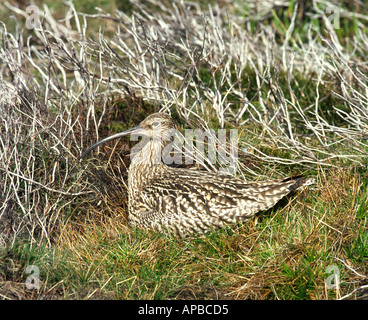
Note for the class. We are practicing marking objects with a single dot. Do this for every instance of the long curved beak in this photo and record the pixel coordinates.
(135, 130)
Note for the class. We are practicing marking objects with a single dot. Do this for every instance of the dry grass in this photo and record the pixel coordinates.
(282, 254)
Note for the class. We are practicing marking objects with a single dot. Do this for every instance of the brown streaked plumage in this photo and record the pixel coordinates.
(185, 201)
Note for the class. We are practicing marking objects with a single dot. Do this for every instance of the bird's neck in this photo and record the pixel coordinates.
(148, 153)
(146, 165)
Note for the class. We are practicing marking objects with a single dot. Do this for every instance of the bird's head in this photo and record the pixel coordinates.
(157, 126)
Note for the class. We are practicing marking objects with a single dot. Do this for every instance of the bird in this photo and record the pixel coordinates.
(183, 201)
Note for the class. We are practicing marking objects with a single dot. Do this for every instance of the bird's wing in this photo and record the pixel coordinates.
(192, 202)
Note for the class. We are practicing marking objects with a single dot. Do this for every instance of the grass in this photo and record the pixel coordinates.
(80, 241)
(282, 254)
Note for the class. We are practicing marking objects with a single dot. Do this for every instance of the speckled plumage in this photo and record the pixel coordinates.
(185, 201)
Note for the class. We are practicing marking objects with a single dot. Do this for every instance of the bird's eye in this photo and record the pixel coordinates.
(155, 124)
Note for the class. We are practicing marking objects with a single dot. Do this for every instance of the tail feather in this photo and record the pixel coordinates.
(299, 181)
(281, 189)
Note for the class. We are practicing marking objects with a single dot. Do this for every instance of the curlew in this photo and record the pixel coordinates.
(184, 201)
